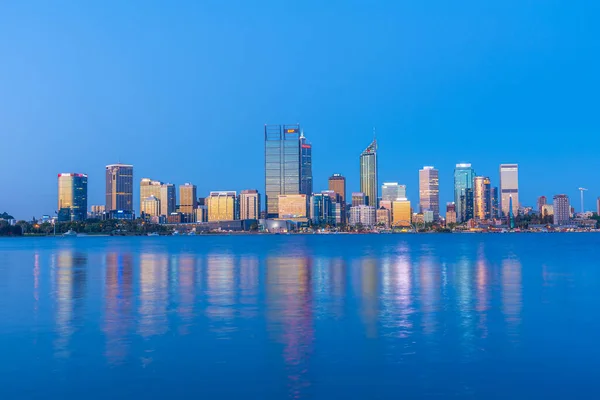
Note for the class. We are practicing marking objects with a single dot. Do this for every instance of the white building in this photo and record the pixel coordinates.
(364, 215)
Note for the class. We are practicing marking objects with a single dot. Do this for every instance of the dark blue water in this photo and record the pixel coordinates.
(321, 316)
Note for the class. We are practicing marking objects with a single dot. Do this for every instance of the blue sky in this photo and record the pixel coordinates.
(183, 89)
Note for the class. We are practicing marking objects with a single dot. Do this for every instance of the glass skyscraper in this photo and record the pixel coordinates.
(482, 199)
(463, 180)
(429, 191)
(72, 197)
(282, 164)
(119, 187)
(509, 188)
(368, 173)
(306, 178)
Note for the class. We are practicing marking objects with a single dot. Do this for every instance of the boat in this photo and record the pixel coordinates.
(70, 233)
(153, 234)
(175, 233)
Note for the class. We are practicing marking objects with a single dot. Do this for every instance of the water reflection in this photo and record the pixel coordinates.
(512, 295)
(153, 294)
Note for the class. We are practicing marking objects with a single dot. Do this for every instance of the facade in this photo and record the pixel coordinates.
(509, 188)
(221, 206)
(391, 191)
(149, 187)
(494, 202)
(384, 217)
(450, 213)
(249, 204)
(547, 210)
(306, 178)
(336, 207)
(482, 199)
(119, 188)
(320, 209)
(562, 209)
(466, 202)
(168, 200)
(293, 206)
(282, 164)
(363, 215)
(201, 213)
(150, 207)
(187, 200)
(72, 197)
(463, 180)
(96, 211)
(337, 183)
(541, 201)
(429, 191)
(598, 206)
(359, 199)
(401, 213)
(368, 173)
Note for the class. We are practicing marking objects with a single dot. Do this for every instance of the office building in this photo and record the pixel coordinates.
(482, 200)
(359, 199)
(201, 213)
(509, 188)
(429, 191)
(149, 187)
(150, 207)
(320, 209)
(249, 204)
(546, 210)
(391, 191)
(222, 206)
(450, 213)
(168, 200)
(187, 200)
(336, 207)
(466, 202)
(306, 178)
(72, 197)
(463, 180)
(96, 211)
(337, 183)
(293, 206)
(562, 209)
(401, 213)
(368, 173)
(598, 206)
(363, 215)
(494, 202)
(541, 201)
(119, 189)
(282, 164)
(384, 217)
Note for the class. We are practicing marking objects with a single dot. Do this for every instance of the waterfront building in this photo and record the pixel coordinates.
(293, 206)
(463, 180)
(282, 165)
(363, 215)
(72, 197)
(429, 191)
(450, 213)
(187, 201)
(336, 213)
(598, 206)
(562, 209)
(359, 199)
(391, 191)
(428, 216)
(222, 206)
(201, 213)
(306, 177)
(541, 201)
(119, 189)
(150, 207)
(495, 211)
(96, 211)
(320, 209)
(418, 219)
(401, 213)
(466, 202)
(168, 201)
(337, 183)
(149, 187)
(368, 173)
(546, 210)
(482, 204)
(249, 204)
(509, 187)
(384, 217)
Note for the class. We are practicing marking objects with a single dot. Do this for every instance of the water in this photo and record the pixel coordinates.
(320, 316)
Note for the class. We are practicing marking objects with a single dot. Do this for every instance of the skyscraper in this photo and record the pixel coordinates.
(282, 164)
(306, 178)
(495, 204)
(359, 199)
(150, 207)
(249, 204)
(119, 187)
(221, 206)
(72, 197)
(450, 213)
(149, 187)
(463, 180)
(429, 191)
(168, 199)
(391, 191)
(482, 204)
(509, 187)
(337, 183)
(368, 173)
(320, 209)
(562, 209)
(466, 202)
(541, 201)
(187, 200)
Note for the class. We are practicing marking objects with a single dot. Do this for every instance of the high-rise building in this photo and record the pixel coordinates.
(463, 180)
(450, 213)
(249, 204)
(222, 206)
(149, 187)
(391, 191)
(72, 197)
(401, 213)
(562, 209)
(495, 204)
(187, 200)
(509, 187)
(150, 207)
(482, 200)
(541, 201)
(598, 206)
(466, 202)
(363, 215)
(337, 183)
(306, 177)
(119, 188)
(547, 210)
(282, 164)
(368, 173)
(429, 191)
(293, 206)
(359, 199)
(168, 199)
(320, 209)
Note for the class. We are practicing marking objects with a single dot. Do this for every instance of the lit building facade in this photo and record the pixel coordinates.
(541, 201)
(282, 164)
(482, 199)
(306, 177)
(119, 188)
(150, 207)
(466, 202)
(293, 206)
(249, 204)
(168, 199)
(384, 217)
(450, 213)
(547, 210)
(149, 187)
(363, 215)
(359, 199)
(320, 209)
(494, 202)
(368, 173)
(509, 187)
(429, 191)
(221, 206)
(463, 180)
(187, 200)
(337, 183)
(391, 191)
(598, 206)
(96, 211)
(72, 197)
(401, 213)
(562, 209)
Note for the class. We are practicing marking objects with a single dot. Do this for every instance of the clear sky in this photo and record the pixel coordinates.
(182, 90)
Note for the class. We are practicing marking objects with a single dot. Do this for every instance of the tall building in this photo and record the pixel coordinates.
(359, 199)
(337, 183)
(282, 164)
(187, 200)
(429, 191)
(509, 187)
(450, 213)
(249, 204)
(368, 173)
(363, 215)
(168, 199)
(598, 206)
(72, 197)
(495, 204)
(547, 210)
(149, 187)
(293, 206)
(306, 178)
(320, 209)
(391, 191)
(401, 213)
(150, 207)
(466, 203)
(221, 206)
(463, 180)
(541, 201)
(562, 209)
(119, 188)
(482, 200)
